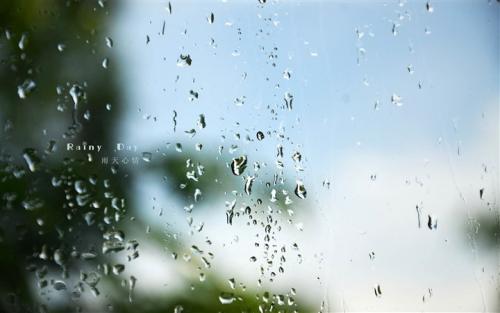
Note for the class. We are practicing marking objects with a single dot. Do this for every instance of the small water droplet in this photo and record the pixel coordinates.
(80, 187)
(77, 94)
(211, 18)
(197, 195)
(288, 100)
(287, 74)
(431, 222)
(201, 121)
(396, 100)
(23, 42)
(429, 7)
(240, 101)
(118, 268)
(378, 291)
(105, 63)
(238, 165)
(248, 184)
(184, 60)
(31, 159)
(131, 285)
(300, 190)
(59, 285)
(147, 156)
(25, 88)
(226, 298)
(61, 47)
(260, 135)
(178, 309)
(109, 42)
(410, 69)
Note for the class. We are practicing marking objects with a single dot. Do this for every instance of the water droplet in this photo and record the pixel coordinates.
(109, 42)
(240, 101)
(226, 298)
(169, 8)
(131, 285)
(184, 60)
(300, 190)
(248, 184)
(86, 115)
(297, 157)
(396, 100)
(211, 18)
(112, 246)
(59, 257)
(23, 42)
(232, 283)
(378, 291)
(431, 222)
(77, 94)
(238, 165)
(51, 147)
(25, 88)
(201, 121)
(59, 285)
(178, 309)
(31, 204)
(147, 156)
(89, 218)
(429, 7)
(287, 74)
(61, 47)
(197, 195)
(260, 135)
(105, 63)
(372, 255)
(80, 187)
(118, 268)
(31, 159)
(288, 100)
(178, 147)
